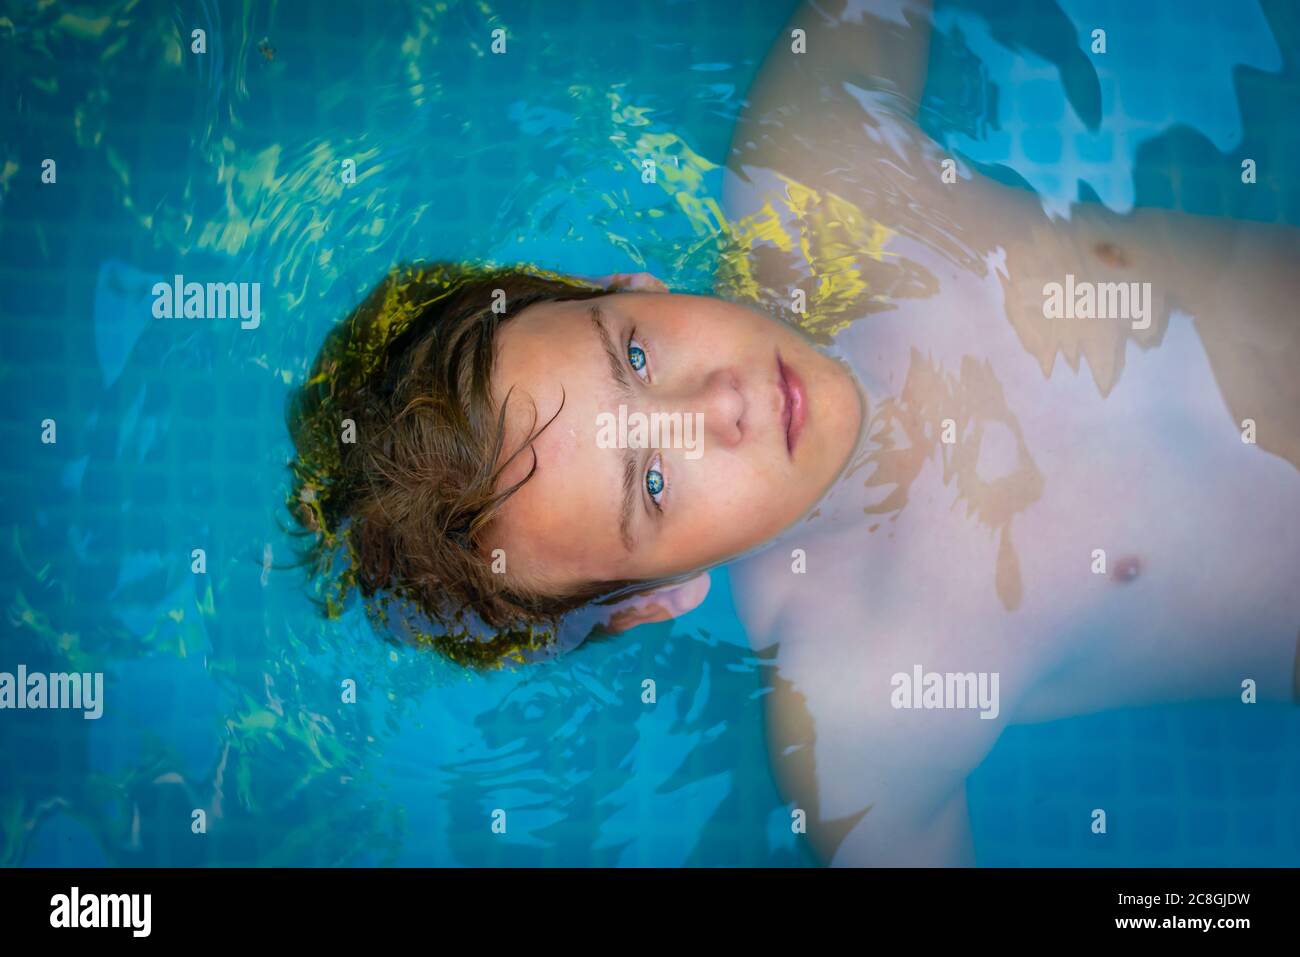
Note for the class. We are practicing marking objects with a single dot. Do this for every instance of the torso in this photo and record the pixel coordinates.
(989, 566)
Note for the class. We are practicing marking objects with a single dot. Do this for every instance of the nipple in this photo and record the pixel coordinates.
(1111, 255)
(1125, 570)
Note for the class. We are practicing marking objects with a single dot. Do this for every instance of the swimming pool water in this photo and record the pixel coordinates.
(223, 689)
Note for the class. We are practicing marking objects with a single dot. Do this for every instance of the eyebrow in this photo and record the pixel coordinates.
(622, 389)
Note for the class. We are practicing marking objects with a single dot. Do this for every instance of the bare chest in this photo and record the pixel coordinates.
(1014, 523)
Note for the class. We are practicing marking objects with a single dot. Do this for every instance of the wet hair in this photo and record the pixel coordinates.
(397, 443)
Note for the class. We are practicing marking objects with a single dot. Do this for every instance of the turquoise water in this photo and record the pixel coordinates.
(223, 689)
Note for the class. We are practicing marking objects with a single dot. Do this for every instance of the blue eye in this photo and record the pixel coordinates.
(636, 357)
(655, 484)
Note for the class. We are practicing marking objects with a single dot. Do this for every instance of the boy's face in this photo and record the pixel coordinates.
(779, 420)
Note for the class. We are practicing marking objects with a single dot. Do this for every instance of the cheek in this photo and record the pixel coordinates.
(736, 496)
(723, 338)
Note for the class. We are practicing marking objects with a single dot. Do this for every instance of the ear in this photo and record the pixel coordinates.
(662, 604)
(632, 282)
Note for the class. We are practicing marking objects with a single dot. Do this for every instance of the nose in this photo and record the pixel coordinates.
(724, 408)
(723, 404)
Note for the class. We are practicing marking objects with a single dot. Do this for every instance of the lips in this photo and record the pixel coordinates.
(794, 404)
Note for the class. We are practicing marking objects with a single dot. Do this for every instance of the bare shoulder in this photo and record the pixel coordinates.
(804, 114)
(827, 152)
(880, 43)
(874, 783)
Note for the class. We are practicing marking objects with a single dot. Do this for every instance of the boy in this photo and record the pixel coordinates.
(939, 528)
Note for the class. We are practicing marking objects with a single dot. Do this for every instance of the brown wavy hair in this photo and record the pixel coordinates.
(397, 441)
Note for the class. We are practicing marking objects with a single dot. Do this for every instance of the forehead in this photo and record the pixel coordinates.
(562, 524)
(548, 355)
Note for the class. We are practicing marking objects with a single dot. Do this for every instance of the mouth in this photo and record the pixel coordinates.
(794, 404)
